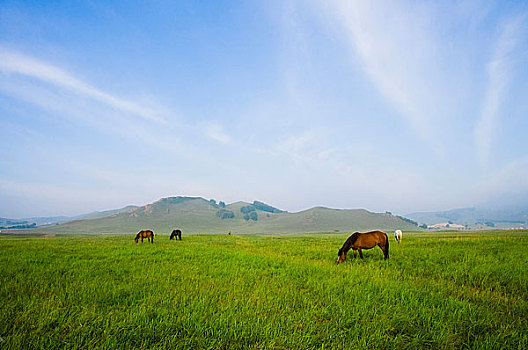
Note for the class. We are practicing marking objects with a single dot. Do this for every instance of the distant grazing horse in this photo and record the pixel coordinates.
(148, 234)
(398, 236)
(176, 233)
(364, 240)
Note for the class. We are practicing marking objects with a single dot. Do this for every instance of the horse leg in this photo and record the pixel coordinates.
(354, 251)
(384, 250)
(360, 253)
(141, 239)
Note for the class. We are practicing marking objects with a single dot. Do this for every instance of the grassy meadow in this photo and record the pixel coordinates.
(437, 290)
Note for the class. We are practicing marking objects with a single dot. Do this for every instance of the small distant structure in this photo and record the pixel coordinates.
(446, 225)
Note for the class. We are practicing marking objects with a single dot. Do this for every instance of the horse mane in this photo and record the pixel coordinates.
(348, 243)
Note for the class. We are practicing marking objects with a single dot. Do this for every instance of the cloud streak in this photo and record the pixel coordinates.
(15, 63)
(215, 131)
(499, 77)
(396, 52)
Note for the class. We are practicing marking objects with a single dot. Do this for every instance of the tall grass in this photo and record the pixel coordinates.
(461, 290)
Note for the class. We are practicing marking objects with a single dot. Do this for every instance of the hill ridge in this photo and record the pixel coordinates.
(198, 215)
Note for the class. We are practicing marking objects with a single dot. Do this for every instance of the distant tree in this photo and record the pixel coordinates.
(225, 214)
(253, 216)
(266, 207)
(412, 222)
(221, 204)
(246, 209)
(22, 226)
(424, 226)
(213, 203)
(388, 212)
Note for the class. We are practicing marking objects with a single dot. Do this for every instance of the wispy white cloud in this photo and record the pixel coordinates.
(396, 49)
(97, 116)
(499, 77)
(416, 55)
(15, 63)
(215, 131)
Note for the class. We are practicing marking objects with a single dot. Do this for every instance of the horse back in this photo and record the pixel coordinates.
(145, 233)
(370, 239)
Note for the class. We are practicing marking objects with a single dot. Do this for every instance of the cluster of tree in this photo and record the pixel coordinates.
(259, 206)
(407, 220)
(251, 216)
(247, 209)
(487, 223)
(264, 207)
(225, 214)
(10, 222)
(32, 225)
(219, 205)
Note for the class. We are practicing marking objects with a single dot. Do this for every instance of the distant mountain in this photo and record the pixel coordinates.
(102, 214)
(15, 224)
(475, 217)
(198, 215)
(52, 220)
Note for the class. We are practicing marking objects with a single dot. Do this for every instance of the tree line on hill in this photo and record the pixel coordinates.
(249, 211)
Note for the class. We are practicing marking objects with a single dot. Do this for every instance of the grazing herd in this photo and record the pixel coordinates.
(149, 235)
(357, 241)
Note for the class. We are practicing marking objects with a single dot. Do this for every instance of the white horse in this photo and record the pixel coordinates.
(398, 236)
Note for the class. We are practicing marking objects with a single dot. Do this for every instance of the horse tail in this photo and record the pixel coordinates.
(386, 251)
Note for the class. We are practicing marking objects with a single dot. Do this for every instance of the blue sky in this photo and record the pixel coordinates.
(387, 105)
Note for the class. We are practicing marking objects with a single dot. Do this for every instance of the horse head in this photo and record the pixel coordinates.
(341, 256)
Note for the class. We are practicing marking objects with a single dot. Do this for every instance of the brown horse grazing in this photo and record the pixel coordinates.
(175, 233)
(148, 234)
(365, 240)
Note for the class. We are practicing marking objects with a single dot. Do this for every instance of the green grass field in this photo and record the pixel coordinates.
(437, 290)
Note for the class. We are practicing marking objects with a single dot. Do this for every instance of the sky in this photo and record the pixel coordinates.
(398, 106)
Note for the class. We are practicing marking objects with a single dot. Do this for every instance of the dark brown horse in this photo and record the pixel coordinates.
(365, 240)
(148, 234)
(175, 234)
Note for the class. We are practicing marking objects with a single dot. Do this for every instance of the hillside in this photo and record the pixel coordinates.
(476, 217)
(53, 220)
(102, 214)
(197, 215)
(15, 224)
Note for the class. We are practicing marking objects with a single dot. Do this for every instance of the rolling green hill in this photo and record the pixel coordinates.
(478, 218)
(196, 215)
(102, 214)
